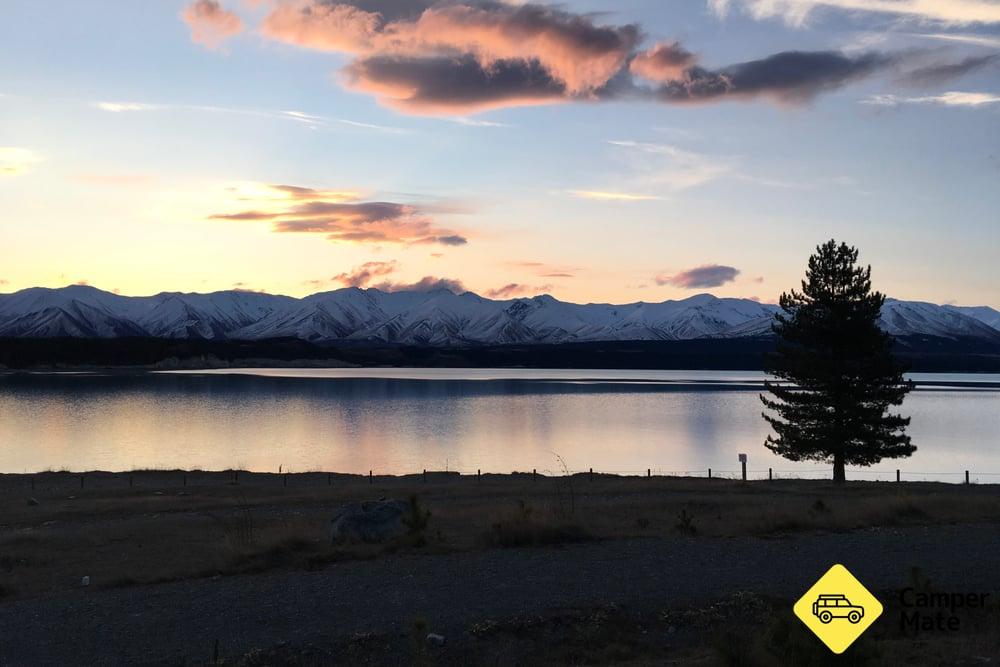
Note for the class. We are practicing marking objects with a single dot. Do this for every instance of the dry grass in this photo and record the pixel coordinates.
(160, 529)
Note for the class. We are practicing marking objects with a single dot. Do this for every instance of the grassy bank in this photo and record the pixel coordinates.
(126, 529)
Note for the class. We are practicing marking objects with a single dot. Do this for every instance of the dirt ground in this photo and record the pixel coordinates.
(570, 563)
(121, 529)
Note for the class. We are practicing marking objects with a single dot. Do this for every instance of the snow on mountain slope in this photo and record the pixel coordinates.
(435, 318)
(988, 316)
(904, 318)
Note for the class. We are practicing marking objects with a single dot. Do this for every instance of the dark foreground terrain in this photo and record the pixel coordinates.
(236, 568)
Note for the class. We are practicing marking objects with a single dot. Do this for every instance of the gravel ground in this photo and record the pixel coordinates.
(179, 623)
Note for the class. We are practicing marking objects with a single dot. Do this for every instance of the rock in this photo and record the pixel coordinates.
(32, 502)
(373, 521)
(435, 639)
(85, 581)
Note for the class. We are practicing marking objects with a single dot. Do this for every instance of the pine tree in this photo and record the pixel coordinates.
(836, 376)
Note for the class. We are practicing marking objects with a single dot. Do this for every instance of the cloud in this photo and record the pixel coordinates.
(949, 99)
(656, 166)
(942, 72)
(210, 24)
(963, 38)
(662, 63)
(453, 85)
(516, 289)
(360, 276)
(455, 58)
(15, 161)
(119, 107)
(450, 58)
(710, 275)
(790, 77)
(472, 122)
(308, 120)
(341, 217)
(611, 196)
(425, 284)
(797, 12)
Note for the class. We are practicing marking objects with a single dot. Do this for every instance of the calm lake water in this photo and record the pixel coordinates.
(406, 420)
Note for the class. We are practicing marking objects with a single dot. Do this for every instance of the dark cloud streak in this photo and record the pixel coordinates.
(709, 275)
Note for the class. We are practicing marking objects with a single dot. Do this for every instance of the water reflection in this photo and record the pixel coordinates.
(397, 425)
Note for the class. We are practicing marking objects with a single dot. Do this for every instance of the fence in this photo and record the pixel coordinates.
(182, 479)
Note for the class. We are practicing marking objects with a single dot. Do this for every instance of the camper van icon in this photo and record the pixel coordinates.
(828, 607)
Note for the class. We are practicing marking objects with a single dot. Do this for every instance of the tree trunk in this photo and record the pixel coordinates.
(839, 476)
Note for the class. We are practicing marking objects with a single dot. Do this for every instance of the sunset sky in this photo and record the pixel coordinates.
(594, 150)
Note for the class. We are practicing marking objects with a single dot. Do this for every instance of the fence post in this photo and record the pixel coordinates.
(966, 476)
(770, 474)
(425, 474)
(329, 479)
(370, 479)
(479, 474)
(591, 474)
(649, 473)
(897, 474)
(534, 474)
(81, 481)
(710, 473)
(744, 464)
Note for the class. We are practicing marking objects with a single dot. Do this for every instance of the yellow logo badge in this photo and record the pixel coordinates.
(838, 609)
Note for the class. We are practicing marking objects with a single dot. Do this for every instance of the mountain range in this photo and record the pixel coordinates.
(436, 318)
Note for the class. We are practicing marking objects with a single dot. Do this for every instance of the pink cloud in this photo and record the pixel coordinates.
(662, 63)
(210, 23)
(360, 276)
(459, 58)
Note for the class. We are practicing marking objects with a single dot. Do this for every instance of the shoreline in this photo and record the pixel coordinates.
(612, 376)
(110, 480)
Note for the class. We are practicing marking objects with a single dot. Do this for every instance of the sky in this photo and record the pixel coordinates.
(636, 150)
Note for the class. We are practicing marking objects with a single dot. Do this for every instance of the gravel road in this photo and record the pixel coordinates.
(179, 622)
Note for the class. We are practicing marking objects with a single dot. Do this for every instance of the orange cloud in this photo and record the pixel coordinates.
(210, 23)
(360, 276)
(341, 217)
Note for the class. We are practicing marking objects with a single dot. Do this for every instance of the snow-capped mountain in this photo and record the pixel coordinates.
(434, 318)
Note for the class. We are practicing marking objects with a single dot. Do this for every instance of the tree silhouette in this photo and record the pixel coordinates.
(836, 376)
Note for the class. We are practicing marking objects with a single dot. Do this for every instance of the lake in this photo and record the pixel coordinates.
(405, 420)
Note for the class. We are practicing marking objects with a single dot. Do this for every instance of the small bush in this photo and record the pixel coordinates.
(685, 523)
(523, 530)
(416, 523)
